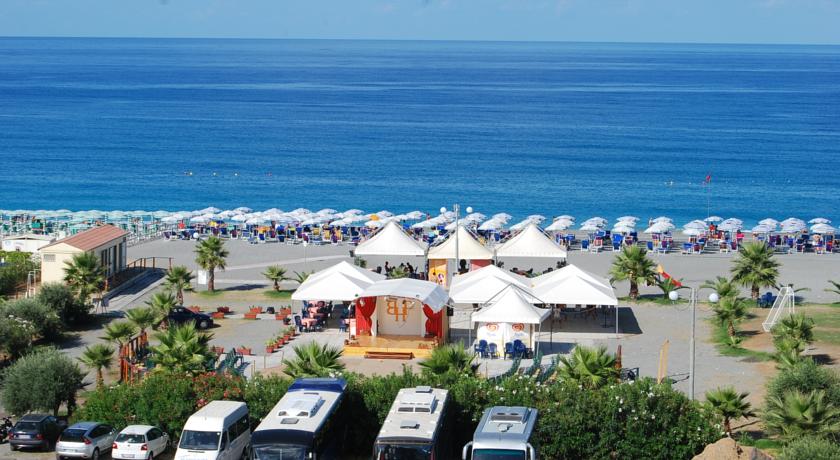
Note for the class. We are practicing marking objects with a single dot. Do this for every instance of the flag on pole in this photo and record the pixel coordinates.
(708, 179)
(661, 271)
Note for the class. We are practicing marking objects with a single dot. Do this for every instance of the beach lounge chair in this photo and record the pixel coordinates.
(686, 248)
(584, 245)
(262, 237)
(616, 242)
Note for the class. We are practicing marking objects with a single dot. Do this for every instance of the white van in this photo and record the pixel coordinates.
(220, 430)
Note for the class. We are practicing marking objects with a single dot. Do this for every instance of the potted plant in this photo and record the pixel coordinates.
(257, 310)
(270, 346)
(280, 315)
(223, 310)
(243, 350)
(218, 315)
(194, 309)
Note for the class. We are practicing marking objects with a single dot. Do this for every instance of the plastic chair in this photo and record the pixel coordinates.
(481, 348)
(299, 323)
(508, 350)
(519, 349)
(342, 325)
(494, 351)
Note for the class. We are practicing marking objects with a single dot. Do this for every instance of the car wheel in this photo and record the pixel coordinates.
(13, 447)
(151, 456)
(203, 324)
(95, 455)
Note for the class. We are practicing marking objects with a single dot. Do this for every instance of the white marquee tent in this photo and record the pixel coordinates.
(531, 242)
(570, 271)
(504, 318)
(428, 293)
(390, 240)
(479, 286)
(343, 281)
(469, 248)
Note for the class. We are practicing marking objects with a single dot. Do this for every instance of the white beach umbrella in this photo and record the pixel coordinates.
(170, 220)
(691, 231)
(257, 220)
(700, 225)
(415, 215)
(475, 217)
(660, 227)
(761, 228)
(819, 220)
(733, 220)
(353, 212)
(536, 218)
(662, 219)
(791, 220)
(623, 229)
(589, 227)
(768, 221)
(628, 219)
(822, 228)
(198, 220)
(729, 227)
(240, 217)
(326, 211)
(559, 225)
(384, 213)
(600, 221)
(502, 217)
(713, 219)
(491, 224)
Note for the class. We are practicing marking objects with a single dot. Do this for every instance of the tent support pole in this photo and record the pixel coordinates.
(616, 321)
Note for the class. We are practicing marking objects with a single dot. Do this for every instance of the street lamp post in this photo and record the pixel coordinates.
(713, 298)
(457, 209)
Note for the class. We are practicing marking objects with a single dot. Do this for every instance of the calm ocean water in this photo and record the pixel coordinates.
(551, 128)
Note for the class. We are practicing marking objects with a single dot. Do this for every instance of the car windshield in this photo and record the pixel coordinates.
(74, 435)
(200, 440)
(498, 454)
(404, 452)
(27, 426)
(279, 452)
(131, 438)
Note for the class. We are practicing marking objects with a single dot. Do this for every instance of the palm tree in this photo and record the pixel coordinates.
(632, 264)
(755, 267)
(729, 404)
(210, 255)
(301, 277)
(667, 285)
(276, 274)
(835, 287)
(182, 349)
(178, 279)
(98, 357)
(723, 286)
(447, 358)
(142, 317)
(161, 304)
(796, 414)
(787, 357)
(84, 275)
(589, 367)
(794, 332)
(314, 360)
(119, 332)
(729, 312)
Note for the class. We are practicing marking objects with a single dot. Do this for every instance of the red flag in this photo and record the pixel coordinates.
(665, 275)
(708, 178)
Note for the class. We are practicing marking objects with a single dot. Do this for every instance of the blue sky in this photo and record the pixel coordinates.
(712, 21)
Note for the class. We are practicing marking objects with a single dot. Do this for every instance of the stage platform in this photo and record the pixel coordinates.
(418, 346)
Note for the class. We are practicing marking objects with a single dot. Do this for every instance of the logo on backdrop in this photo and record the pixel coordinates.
(394, 310)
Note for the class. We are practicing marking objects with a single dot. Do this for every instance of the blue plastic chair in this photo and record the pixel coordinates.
(508, 350)
(298, 323)
(519, 349)
(584, 244)
(481, 348)
(494, 351)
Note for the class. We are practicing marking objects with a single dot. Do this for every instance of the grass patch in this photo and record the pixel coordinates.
(720, 336)
(209, 294)
(657, 299)
(766, 444)
(282, 294)
(827, 336)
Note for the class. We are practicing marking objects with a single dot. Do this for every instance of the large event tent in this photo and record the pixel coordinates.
(571, 285)
(531, 242)
(343, 281)
(504, 318)
(570, 271)
(390, 240)
(479, 286)
(469, 248)
(401, 307)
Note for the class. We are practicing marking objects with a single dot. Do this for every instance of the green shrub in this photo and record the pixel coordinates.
(60, 299)
(810, 448)
(13, 274)
(15, 336)
(806, 376)
(42, 380)
(45, 322)
(262, 393)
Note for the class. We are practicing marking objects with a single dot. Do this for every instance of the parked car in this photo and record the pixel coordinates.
(180, 315)
(85, 440)
(35, 431)
(139, 441)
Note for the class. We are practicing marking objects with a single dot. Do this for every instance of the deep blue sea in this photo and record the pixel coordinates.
(550, 128)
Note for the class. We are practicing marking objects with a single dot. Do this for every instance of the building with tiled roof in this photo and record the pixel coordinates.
(107, 242)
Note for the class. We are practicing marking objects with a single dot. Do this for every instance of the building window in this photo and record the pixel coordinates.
(49, 257)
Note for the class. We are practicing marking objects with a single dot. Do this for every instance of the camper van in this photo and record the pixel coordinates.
(414, 428)
(503, 434)
(218, 431)
(299, 425)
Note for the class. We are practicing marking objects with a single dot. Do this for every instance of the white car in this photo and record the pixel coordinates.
(85, 440)
(140, 442)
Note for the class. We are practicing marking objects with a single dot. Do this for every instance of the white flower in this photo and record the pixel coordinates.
(619, 409)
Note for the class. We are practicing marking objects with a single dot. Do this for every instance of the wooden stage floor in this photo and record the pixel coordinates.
(419, 346)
